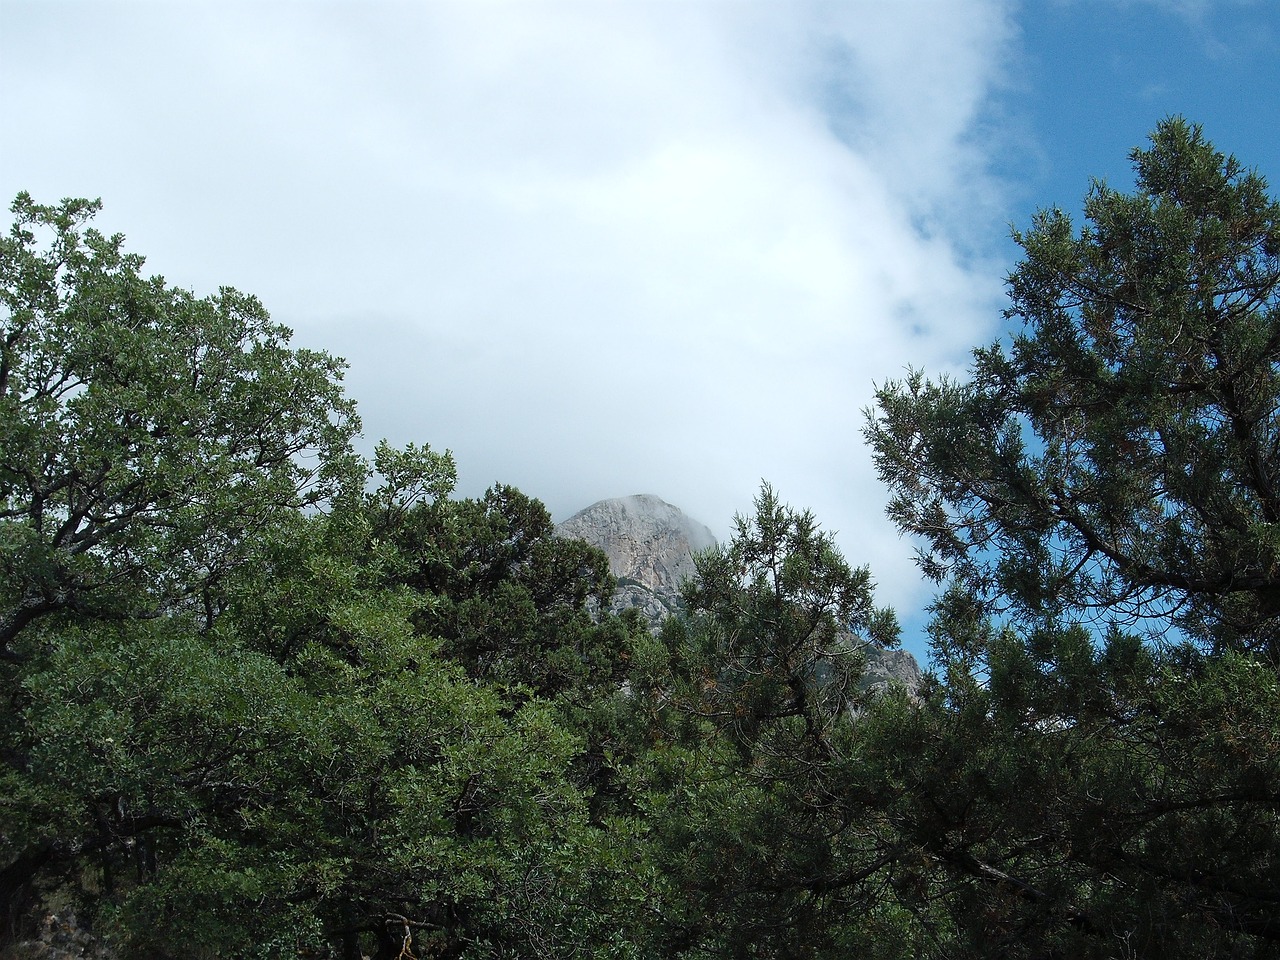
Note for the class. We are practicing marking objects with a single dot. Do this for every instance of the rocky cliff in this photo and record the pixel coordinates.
(650, 546)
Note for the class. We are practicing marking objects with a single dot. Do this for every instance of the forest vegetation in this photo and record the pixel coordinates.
(264, 697)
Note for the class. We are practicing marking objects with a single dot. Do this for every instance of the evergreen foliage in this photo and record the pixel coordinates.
(757, 796)
(262, 698)
(1097, 773)
(1119, 460)
(252, 707)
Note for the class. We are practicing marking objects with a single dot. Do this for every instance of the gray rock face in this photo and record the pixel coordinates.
(887, 667)
(650, 546)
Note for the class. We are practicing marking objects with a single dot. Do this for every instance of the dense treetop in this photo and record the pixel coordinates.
(265, 698)
(1121, 455)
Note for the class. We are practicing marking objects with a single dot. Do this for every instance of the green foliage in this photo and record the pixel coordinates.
(252, 707)
(511, 597)
(262, 697)
(1094, 773)
(1088, 800)
(755, 795)
(1120, 458)
(777, 621)
(146, 434)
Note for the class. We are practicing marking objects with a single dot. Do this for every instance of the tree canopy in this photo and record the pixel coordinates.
(1098, 500)
(259, 694)
(1119, 458)
(147, 434)
(265, 697)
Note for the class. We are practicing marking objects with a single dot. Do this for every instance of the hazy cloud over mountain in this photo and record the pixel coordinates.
(594, 248)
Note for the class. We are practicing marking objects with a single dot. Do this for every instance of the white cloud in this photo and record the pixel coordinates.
(598, 249)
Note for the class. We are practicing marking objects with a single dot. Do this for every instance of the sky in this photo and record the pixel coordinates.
(615, 247)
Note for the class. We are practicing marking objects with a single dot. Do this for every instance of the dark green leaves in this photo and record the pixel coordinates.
(145, 434)
(1119, 460)
(1100, 500)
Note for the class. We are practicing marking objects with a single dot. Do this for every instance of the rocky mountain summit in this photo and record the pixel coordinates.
(650, 546)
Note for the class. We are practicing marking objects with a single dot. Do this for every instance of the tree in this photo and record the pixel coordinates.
(1095, 774)
(453, 790)
(513, 598)
(778, 619)
(301, 774)
(1122, 456)
(147, 438)
(145, 434)
(251, 706)
(764, 827)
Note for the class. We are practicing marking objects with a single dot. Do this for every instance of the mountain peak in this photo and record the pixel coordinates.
(646, 539)
(650, 545)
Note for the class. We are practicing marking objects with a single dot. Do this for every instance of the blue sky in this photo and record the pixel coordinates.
(1094, 77)
(599, 249)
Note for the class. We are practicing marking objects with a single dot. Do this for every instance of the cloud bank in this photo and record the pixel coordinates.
(594, 249)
